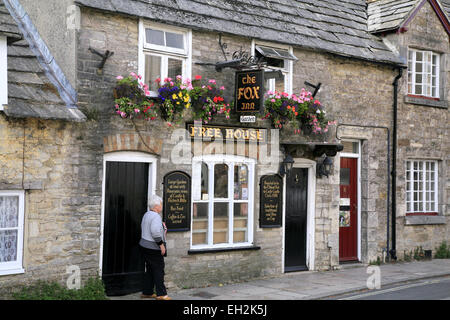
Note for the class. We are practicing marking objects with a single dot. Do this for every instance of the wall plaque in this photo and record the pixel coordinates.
(249, 90)
(271, 201)
(177, 201)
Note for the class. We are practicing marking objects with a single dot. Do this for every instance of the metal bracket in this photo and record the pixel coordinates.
(104, 57)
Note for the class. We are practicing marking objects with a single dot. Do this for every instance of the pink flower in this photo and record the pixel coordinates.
(134, 75)
(119, 77)
(158, 80)
(117, 106)
(179, 77)
(273, 100)
(212, 81)
(222, 88)
(197, 77)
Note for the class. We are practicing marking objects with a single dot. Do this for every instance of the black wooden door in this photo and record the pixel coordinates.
(125, 204)
(296, 220)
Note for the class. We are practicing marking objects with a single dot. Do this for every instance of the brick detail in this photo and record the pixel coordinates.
(132, 142)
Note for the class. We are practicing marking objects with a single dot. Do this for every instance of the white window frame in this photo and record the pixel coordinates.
(287, 71)
(3, 72)
(425, 85)
(164, 52)
(424, 190)
(231, 161)
(15, 267)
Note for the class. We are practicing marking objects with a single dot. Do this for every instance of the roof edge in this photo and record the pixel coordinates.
(438, 10)
(52, 70)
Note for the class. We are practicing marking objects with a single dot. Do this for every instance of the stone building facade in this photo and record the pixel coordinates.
(62, 165)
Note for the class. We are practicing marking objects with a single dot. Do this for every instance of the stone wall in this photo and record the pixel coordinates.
(423, 134)
(62, 208)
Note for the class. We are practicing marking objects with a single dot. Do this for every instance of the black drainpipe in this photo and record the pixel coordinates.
(394, 167)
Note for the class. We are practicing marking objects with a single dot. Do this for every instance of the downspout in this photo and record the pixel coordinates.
(394, 167)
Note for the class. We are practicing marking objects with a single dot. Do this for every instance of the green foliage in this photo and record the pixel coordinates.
(375, 262)
(443, 251)
(43, 290)
(419, 254)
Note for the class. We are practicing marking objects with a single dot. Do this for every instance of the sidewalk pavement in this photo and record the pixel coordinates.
(311, 285)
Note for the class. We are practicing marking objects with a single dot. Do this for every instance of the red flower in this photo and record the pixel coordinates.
(197, 77)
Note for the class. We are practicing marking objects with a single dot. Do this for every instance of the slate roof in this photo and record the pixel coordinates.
(32, 88)
(385, 15)
(335, 26)
(8, 26)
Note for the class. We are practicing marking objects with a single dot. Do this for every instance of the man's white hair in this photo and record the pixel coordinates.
(153, 201)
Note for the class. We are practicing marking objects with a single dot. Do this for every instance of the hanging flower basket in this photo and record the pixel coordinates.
(302, 112)
(132, 98)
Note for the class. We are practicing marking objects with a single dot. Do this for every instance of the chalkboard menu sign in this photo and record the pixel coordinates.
(271, 204)
(177, 201)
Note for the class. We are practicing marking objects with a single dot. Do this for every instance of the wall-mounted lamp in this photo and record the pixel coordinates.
(286, 165)
(316, 87)
(324, 167)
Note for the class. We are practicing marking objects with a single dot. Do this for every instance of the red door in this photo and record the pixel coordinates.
(348, 224)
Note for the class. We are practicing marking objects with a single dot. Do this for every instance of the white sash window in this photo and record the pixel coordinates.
(423, 73)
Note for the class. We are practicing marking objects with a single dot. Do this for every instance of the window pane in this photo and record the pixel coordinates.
(155, 37)
(204, 182)
(240, 222)
(8, 245)
(220, 222)
(220, 181)
(418, 67)
(174, 40)
(152, 71)
(240, 182)
(9, 212)
(345, 176)
(200, 224)
(419, 78)
(279, 84)
(418, 89)
(419, 56)
(175, 68)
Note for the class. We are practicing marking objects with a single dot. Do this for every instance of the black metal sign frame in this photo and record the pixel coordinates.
(177, 201)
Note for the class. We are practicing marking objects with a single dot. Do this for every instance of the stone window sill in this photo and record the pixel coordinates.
(424, 220)
(212, 250)
(427, 102)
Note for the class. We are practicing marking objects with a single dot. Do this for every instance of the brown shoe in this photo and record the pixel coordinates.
(147, 296)
(166, 297)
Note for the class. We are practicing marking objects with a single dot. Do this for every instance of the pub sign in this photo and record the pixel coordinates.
(249, 91)
(177, 201)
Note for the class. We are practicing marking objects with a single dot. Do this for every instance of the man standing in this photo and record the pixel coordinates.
(153, 248)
